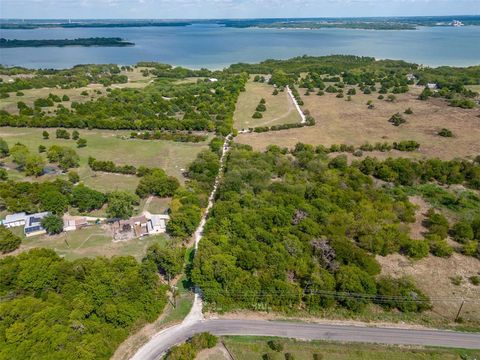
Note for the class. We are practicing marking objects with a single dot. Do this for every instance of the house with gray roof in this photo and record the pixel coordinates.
(33, 224)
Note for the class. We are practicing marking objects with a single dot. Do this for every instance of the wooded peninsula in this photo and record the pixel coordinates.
(98, 41)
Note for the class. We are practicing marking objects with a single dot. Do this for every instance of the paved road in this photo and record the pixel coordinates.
(392, 336)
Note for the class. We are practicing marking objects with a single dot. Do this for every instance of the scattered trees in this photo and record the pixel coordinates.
(8, 241)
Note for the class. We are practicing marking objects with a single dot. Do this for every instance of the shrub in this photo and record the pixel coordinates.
(62, 134)
(81, 143)
(289, 356)
(75, 135)
(275, 92)
(4, 149)
(456, 280)
(275, 345)
(462, 231)
(471, 248)
(321, 93)
(439, 247)
(45, 135)
(41, 149)
(65, 98)
(204, 340)
(397, 119)
(392, 293)
(352, 91)
(445, 133)
(73, 177)
(391, 98)
(474, 280)
(437, 224)
(409, 111)
(257, 115)
(416, 249)
(261, 108)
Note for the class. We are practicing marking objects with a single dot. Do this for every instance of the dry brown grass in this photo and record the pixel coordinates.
(280, 108)
(352, 123)
(433, 276)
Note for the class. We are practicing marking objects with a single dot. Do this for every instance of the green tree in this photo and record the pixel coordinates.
(73, 177)
(8, 241)
(45, 135)
(121, 204)
(86, 199)
(157, 183)
(75, 135)
(53, 224)
(4, 150)
(357, 286)
(81, 143)
(3, 174)
(169, 260)
(34, 165)
(42, 149)
(19, 154)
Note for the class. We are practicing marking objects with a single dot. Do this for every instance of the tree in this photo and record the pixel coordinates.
(73, 177)
(3, 174)
(401, 294)
(42, 149)
(65, 98)
(397, 119)
(8, 241)
(445, 133)
(19, 154)
(261, 108)
(34, 165)
(120, 204)
(45, 135)
(54, 201)
(157, 183)
(4, 150)
(81, 143)
(257, 115)
(62, 134)
(75, 135)
(169, 260)
(53, 224)
(351, 280)
(86, 199)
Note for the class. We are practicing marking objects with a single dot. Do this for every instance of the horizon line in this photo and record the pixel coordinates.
(243, 18)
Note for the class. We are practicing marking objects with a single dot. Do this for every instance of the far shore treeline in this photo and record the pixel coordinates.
(97, 41)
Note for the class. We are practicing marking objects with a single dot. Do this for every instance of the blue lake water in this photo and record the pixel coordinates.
(215, 47)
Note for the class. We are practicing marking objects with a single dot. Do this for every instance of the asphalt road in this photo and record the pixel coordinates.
(302, 331)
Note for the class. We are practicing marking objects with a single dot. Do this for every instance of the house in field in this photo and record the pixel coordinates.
(14, 220)
(157, 224)
(131, 228)
(213, 80)
(432, 86)
(72, 223)
(33, 224)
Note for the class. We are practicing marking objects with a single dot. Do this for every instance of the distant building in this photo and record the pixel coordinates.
(213, 79)
(432, 86)
(411, 77)
(14, 220)
(33, 224)
(157, 224)
(72, 223)
(457, 23)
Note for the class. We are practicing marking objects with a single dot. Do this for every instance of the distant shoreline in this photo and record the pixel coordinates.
(101, 41)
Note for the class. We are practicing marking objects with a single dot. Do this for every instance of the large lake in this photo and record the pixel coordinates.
(215, 47)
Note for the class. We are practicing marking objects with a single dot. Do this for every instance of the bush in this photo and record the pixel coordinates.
(289, 356)
(62, 134)
(45, 135)
(73, 177)
(456, 280)
(437, 224)
(397, 119)
(4, 149)
(416, 249)
(474, 280)
(81, 143)
(445, 133)
(471, 248)
(409, 111)
(8, 241)
(257, 115)
(41, 148)
(462, 231)
(261, 108)
(204, 340)
(401, 294)
(439, 247)
(75, 135)
(275, 345)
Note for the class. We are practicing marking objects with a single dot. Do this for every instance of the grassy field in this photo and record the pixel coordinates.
(339, 121)
(89, 242)
(252, 348)
(280, 109)
(135, 80)
(171, 156)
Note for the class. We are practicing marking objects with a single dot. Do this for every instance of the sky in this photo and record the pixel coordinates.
(199, 9)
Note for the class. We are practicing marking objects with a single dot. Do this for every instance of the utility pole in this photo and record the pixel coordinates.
(459, 310)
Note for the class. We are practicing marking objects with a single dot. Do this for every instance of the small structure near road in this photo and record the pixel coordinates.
(72, 223)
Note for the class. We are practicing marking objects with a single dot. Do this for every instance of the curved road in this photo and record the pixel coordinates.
(302, 331)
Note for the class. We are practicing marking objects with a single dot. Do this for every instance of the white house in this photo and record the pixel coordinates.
(432, 86)
(213, 80)
(14, 220)
(157, 224)
(33, 224)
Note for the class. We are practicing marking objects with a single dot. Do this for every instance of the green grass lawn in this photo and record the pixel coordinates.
(89, 242)
(114, 146)
(250, 348)
(280, 108)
